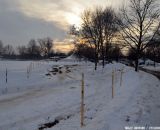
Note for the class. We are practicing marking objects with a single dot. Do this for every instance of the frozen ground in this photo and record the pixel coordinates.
(51, 94)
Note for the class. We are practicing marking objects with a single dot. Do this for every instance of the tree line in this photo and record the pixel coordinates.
(35, 49)
(105, 33)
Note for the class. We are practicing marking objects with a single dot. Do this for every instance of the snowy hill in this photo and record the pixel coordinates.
(51, 95)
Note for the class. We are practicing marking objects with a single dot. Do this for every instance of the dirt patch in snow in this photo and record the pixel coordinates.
(55, 122)
(60, 69)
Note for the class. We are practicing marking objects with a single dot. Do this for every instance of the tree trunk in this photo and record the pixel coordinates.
(95, 65)
(154, 59)
(103, 61)
(107, 52)
(95, 59)
(103, 56)
(136, 64)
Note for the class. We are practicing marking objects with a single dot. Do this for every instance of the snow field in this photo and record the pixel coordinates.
(30, 103)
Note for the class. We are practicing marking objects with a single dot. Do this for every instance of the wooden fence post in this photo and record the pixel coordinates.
(82, 101)
(6, 75)
(121, 77)
(112, 83)
(27, 73)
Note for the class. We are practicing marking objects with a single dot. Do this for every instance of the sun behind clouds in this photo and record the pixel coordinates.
(62, 13)
(73, 19)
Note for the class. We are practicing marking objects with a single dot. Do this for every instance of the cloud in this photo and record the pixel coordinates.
(22, 20)
(61, 12)
(17, 28)
(48, 10)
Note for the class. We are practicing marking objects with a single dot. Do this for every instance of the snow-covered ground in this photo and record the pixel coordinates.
(149, 64)
(51, 93)
(156, 68)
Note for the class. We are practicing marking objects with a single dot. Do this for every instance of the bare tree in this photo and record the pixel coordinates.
(99, 27)
(110, 29)
(91, 30)
(84, 51)
(33, 49)
(46, 45)
(22, 50)
(8, 50)
(1, 47)
(153, 51)
(139, 25)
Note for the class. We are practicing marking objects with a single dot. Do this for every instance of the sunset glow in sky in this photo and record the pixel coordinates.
(22, 20)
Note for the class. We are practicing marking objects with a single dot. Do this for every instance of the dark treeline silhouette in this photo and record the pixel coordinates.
(42, 48)
(88, 53)
(7, 51)
(153, 51)
(35, 49)
(104, 33)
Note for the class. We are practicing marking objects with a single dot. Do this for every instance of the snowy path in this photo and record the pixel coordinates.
(33, 106)
(156, 73)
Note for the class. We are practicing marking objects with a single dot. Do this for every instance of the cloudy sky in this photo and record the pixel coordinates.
(21, 20)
